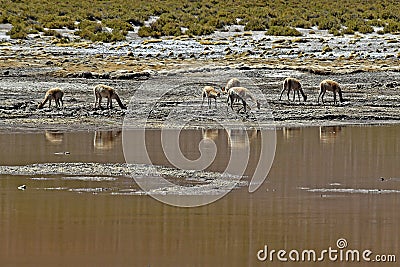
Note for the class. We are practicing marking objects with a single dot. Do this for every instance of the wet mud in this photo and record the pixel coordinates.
(365, 65)
(370, 98)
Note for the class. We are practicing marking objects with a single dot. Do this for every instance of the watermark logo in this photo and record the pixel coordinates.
(340, 253)
(173, 104)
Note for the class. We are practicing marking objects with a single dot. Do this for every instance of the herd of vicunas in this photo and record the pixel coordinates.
(233, 88)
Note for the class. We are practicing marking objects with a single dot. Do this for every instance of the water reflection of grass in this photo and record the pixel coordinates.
(109, 21)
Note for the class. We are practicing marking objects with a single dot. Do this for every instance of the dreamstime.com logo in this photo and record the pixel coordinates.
(173, 103)
(340, 253)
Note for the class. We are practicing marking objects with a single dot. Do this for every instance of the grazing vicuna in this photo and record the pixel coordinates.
(54, 93)
(108, 92)
(234, 82)
(329, 85)
(241, 94)
(295, 85)
(210, 92)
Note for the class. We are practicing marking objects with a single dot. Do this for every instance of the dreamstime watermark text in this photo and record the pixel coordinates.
(338, 253)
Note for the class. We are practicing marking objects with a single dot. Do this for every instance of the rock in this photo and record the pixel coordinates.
(105, 75)
(22, 187)
(85, 75)
(128, 75)
(62, 153)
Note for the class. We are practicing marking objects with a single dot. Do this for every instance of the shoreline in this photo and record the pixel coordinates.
(365, 65)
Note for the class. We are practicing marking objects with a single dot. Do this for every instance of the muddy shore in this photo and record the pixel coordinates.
(365, 66)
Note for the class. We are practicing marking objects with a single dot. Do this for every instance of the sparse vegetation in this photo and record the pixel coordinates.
(109, 21)
(283, 31)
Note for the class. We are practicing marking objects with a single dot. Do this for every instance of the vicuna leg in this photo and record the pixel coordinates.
(334, 98)
(100, 102)
(283, 90)
(232, 99)
(321, 95)
(298, 94)
(340, 96)
(303, 94)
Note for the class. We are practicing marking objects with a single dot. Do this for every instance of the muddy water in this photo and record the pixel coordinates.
(326, 183)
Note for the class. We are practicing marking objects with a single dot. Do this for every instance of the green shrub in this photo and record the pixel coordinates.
(256, 25)
(365, 29)
(171, 29)
(53, 33)
(301, 23)
(335, 32)
(146, 31)
(348, 31)
(198, 30)
(327, 23)
(392, 27)
(201, 17)
(376, 22)
(57, 22)
(283, 31)
(359, 25)
(18, 31)
(118, 24)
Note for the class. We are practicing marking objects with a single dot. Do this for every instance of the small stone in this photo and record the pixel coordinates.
(22, 187)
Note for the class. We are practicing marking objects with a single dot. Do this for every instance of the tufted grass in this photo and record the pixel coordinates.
(109, 21)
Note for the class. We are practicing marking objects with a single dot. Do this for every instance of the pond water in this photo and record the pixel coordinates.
(80, 207)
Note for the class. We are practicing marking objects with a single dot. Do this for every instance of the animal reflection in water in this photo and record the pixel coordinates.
(291, 132)
(54, 137)
(237, 138)
(106, 140)
(210, 134)
(328, 134)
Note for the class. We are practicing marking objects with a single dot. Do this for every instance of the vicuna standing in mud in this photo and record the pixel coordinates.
(295, 85)
(329, 85)
(108, 92)
(241, 94)
(234, 82)
(54, 93)
(210, 92)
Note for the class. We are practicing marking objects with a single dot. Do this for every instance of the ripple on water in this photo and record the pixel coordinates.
(353, 191)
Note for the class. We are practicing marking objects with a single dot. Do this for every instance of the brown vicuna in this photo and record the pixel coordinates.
(210, 92)
(295, 85)
(241, 94)
(54, 93)
(108, 92)
(234, 82)
(329, 85)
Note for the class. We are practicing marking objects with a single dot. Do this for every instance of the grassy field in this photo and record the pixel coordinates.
(108, 21)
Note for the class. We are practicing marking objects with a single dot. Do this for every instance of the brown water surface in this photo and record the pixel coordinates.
(326, 183)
